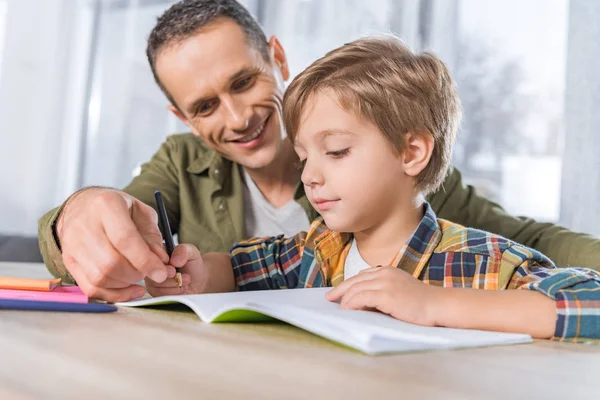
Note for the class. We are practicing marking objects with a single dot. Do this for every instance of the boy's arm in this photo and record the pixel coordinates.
(268, 263)
(559, 303)
(461, 204)
(503, 311)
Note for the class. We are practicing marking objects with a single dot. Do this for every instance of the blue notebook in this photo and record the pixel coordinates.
(55, 306)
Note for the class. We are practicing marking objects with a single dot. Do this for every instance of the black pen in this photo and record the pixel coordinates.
(165, 230)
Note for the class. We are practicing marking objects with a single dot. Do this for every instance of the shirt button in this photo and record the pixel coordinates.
(217, 171)
(221, 206)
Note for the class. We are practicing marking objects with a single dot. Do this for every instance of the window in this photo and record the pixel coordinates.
(3, 9)
(509, 67)
(82, 67)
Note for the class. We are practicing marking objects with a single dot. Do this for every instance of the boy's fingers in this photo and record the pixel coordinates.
(176, 291)
(359, 287)
(339, 291)
(171, 271)
(171, 282)
(360, 300)
(183, 254)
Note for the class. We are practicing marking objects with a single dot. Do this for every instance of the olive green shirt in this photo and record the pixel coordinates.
(203, 194)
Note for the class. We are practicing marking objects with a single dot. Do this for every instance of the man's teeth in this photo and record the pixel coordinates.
(256, 134)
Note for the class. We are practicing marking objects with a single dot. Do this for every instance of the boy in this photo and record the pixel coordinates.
(374, 125)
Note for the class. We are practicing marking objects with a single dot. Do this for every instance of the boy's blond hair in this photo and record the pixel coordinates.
(382, 80)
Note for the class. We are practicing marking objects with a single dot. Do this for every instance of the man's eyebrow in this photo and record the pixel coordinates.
(242, 72)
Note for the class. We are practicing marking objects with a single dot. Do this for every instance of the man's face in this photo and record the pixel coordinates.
(352, 175)
(227, 93)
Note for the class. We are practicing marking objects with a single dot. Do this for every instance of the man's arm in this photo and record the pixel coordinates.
(461, 204)
(160, 173)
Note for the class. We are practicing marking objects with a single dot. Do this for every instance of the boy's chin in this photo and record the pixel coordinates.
(337, 224)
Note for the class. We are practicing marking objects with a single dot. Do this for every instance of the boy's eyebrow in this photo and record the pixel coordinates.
(331, 132)
(325, 133)
(244, 71)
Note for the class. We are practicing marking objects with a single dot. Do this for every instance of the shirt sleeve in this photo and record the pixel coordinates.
(49, 246)
(268, 262)
(576, 292)
(460, 203)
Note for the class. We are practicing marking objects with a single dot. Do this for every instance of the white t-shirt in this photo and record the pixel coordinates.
(354, 262)
(264, 219)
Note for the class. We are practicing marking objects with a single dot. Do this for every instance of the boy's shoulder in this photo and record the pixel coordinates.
(460, 239)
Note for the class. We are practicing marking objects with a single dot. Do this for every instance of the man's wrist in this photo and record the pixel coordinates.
(57, 226)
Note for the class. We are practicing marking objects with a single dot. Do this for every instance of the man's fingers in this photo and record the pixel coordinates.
(117, 295)
(102, 264)
(127, 240)
(100, 267)
(145, 219)
(169, 283)
(125, 293)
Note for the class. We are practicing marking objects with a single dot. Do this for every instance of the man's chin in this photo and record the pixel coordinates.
(258, 161)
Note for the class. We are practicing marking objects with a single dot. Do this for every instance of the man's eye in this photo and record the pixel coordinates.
(206, 107)
(243, 83)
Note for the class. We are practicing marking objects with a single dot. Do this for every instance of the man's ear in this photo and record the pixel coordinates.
(179, 114)
(418, 149)
(278, 55)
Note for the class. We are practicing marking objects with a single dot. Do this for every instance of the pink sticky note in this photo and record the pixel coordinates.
(63, 294)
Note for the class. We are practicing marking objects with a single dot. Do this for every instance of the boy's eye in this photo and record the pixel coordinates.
(338, 153)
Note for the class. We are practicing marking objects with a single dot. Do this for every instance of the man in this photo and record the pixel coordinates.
(236, 174)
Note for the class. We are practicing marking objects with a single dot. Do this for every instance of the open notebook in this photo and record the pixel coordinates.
(366, 331)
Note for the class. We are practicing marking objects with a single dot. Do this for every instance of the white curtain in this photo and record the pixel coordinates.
(581, 173)
(78, 104)
(39, 90)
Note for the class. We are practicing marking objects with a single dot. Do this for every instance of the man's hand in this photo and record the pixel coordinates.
(391, 291)
(211, 273)
(109, 242)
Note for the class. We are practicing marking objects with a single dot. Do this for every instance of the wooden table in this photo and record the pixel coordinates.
(141, 353)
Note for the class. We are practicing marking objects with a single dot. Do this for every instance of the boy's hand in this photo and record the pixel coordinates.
(391, 291)
(188, 260)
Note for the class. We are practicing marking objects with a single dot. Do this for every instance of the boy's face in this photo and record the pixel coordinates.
(352, 174)
(226, 92)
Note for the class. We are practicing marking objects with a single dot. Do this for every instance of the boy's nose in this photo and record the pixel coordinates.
(311, 175)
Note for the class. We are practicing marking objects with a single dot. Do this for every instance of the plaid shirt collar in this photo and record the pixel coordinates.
(331, 248)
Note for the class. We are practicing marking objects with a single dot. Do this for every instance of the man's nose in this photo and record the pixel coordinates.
(235, 114)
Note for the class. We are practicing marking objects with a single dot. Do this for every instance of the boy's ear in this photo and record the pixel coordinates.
(278, 55)
(418, 149)
(178, 114)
